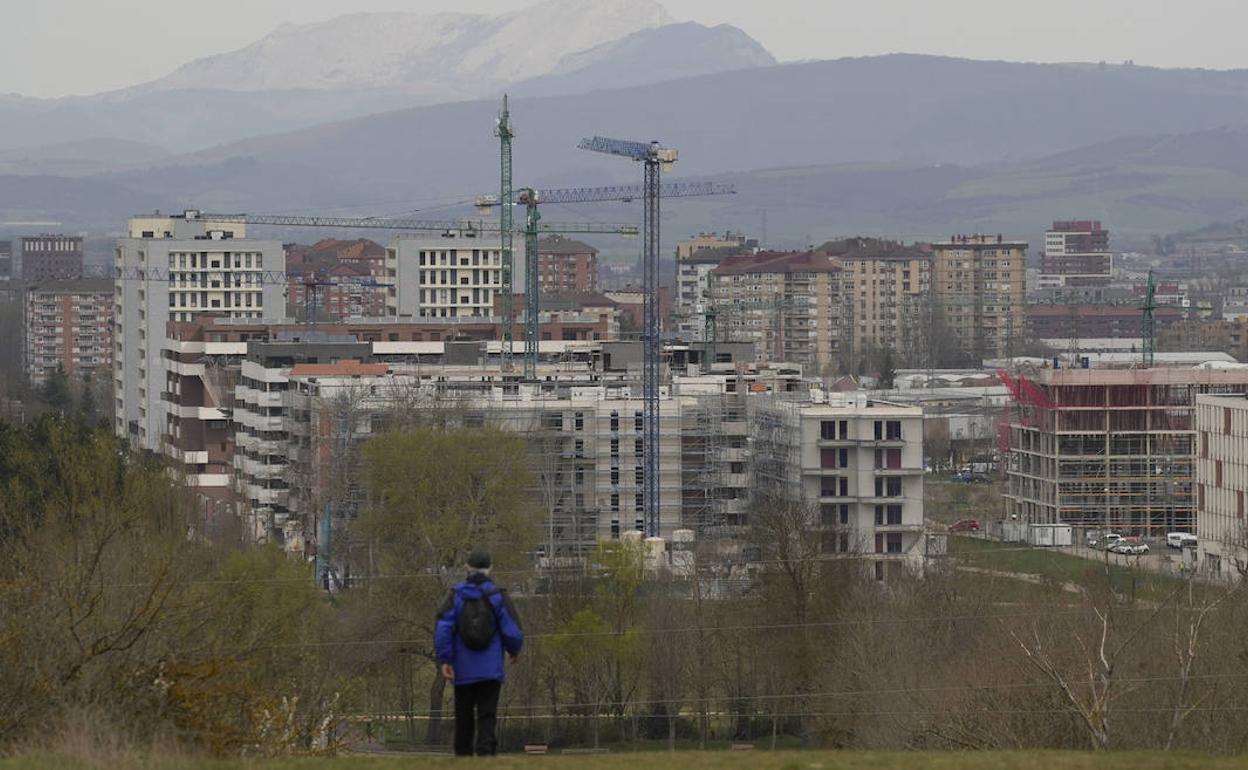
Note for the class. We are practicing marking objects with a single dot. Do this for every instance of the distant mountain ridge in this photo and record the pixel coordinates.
(899, 146)
(361, 64)
(652, 55)
(441, 54)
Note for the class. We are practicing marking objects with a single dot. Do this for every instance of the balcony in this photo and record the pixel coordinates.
(899, 471)
(199, 413)
(903, 527)
(208, 480)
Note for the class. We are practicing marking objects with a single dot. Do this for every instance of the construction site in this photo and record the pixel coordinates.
(1107, 449)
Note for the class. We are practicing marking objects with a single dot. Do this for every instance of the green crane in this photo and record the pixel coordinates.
(504, 133)
(1149, 327)
(531, 199)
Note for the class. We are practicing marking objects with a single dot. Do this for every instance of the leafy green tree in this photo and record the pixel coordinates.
(108, 609)
(56, 393)
(434, 495)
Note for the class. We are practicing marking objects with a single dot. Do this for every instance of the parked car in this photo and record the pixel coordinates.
(1103, 540)
(1129, 548)
(964, 525)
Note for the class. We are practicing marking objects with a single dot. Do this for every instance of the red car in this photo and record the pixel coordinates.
(964, 525)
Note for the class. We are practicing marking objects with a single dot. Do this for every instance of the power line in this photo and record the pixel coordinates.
(852, 693)
(537, 573)
(714, 628)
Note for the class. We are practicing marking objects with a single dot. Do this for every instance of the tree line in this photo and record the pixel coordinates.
(121, 606)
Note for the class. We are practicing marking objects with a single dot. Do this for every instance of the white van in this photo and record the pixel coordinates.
(1180, 540)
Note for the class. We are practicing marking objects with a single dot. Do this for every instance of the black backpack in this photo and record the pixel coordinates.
(477, 623)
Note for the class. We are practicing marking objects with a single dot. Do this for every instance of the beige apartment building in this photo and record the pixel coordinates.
(788, 304)
(885, 288)
(979, 282)
(709, 241)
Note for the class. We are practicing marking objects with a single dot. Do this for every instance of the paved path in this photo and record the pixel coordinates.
(1026, 577)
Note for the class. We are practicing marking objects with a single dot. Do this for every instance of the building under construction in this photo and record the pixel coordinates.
(1108, 448)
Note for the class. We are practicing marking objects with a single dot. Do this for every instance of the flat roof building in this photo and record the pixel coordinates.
(1108, 448)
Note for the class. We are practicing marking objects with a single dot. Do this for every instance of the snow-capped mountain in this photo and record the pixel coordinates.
(445, 54)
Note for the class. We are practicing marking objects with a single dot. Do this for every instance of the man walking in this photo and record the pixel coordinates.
(476, 625)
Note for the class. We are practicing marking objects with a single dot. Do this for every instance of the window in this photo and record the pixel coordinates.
(828, 514)
(578, 422)
(827, 430)
(827, 458)
(828, 486)
(887, 515)
(888, 458)
(888, 487)
(893, 430)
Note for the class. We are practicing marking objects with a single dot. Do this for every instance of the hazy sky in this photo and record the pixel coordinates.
(58, 47)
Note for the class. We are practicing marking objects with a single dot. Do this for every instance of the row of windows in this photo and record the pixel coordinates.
(200, 299)
(204, 260)
(455, 259)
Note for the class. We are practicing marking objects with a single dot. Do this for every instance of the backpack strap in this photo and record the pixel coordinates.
(448, 604)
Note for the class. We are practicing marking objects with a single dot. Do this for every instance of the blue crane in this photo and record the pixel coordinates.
(531, 199)
(655, 159)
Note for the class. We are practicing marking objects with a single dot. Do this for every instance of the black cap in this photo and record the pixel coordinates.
(479, 559)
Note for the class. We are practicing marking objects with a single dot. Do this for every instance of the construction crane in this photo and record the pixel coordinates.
(655, 159)
(1149, 326)
(531, 199)
(504, 133)
(531, 229)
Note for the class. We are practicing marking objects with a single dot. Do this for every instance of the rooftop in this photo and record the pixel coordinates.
(347, 368)
(561, 246)
(778, 262)
(874, 249)
(74, 286)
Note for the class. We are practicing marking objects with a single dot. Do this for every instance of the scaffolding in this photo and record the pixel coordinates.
(1108, 449)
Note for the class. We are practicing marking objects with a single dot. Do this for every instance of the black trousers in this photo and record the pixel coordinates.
(476, 707)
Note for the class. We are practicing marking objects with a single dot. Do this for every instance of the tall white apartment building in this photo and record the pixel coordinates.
(175, 268)
(449, 277)
(858, 466)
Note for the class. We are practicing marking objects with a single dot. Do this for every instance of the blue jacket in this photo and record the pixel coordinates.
(476, 665)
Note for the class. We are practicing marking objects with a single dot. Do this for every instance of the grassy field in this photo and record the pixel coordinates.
(1050, 564)
(784, 760)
